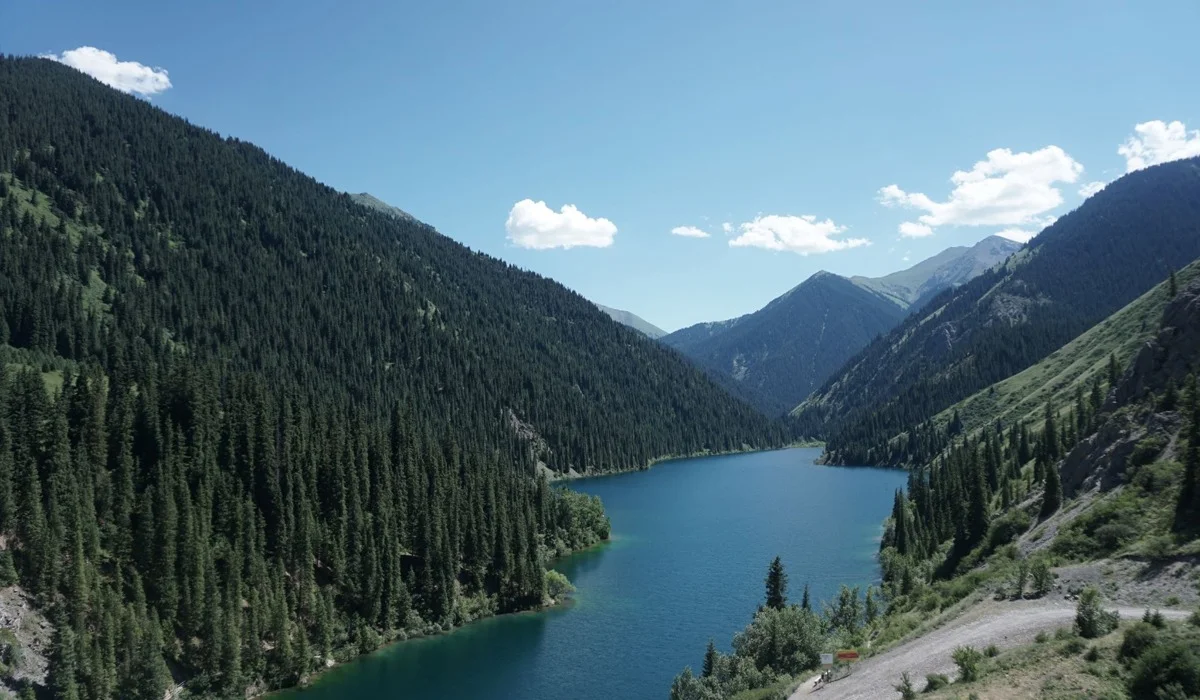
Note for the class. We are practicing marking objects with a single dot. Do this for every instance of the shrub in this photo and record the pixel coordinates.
(905, 687)
(1157, 477)
(1163, 666)
(1093, 654)
(968, 660)
(1171, 601)
(1008, 528)
(935, 681)
(1043, 577)
(991, 651)
(1137, 640)
(1113, 536)
(1073, 646)
(1041, 638)
(1092, 621)
(1146, 450)
(1155, 618)
(557, 585)
(1020, 579)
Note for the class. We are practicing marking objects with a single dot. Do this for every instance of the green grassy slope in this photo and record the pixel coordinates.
(1072, 367)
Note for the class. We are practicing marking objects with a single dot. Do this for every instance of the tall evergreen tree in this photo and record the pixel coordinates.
(776, 584)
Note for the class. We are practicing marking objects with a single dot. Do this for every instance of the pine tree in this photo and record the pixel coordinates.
(710, 660)
(776, 585)
(805, 603)
(1053, 495)
(1172, 286)
(63, 662)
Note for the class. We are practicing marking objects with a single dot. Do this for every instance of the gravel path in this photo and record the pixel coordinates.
(1003, 623)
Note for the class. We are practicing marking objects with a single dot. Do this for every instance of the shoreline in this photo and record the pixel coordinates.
(558, 477)
(315, 676)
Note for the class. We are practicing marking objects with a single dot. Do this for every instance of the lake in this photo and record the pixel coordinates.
(692, 539)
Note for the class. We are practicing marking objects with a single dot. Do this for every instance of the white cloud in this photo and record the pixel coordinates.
(534, 225)
(1158, 142)
(727, 227)
(1090, 188)
(1017, 234)
(799, 234)
(689, 232)
(126, 76)
(1006, 189)
(911, 229)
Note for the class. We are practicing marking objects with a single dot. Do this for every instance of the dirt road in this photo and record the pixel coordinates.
(1003, 623)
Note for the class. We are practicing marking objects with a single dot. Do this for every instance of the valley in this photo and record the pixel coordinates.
(306, 391)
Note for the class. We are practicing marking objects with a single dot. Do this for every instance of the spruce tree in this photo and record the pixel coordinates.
(776, 585)
(710, 660)
(805, 603)
(1053, 495)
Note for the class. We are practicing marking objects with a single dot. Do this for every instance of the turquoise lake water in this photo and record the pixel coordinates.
(691, 543)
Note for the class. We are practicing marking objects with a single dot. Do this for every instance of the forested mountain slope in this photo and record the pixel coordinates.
(634, 321)
(1085, 266)
(783, 351)
(777, 356)
(248, 425)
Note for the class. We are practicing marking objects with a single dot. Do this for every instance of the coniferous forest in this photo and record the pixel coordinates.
(248, 425)
(1085, 266)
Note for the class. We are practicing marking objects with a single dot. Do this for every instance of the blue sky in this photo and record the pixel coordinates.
(808, 127)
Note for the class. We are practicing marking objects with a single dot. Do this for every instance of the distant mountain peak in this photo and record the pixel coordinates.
(912, 287)
(634, 321)
(369, 200)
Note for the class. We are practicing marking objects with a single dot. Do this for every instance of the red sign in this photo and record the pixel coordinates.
(847, 655)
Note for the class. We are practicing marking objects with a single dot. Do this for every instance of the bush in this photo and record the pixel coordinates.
(1073, 646)
(1163, 666)
(1043, 577)
(1008, 528)
(1157, 477)
(935, 681)
(1113, 536)
(1093, 654)
(1041, 638)
(1137, 640)
(991, 651)
(1147, 450)
(1155, 618)
(905, 687)
(1092, 621)
(557, 585)
(968, 660)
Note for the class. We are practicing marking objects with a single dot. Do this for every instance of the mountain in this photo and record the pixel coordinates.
(248, 425)
(1082, 471)
(778, 355)
(913, 287)
(637, 323)
(370, 200)
(1079, 270)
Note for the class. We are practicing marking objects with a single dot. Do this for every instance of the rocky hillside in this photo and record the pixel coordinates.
(914, 287)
